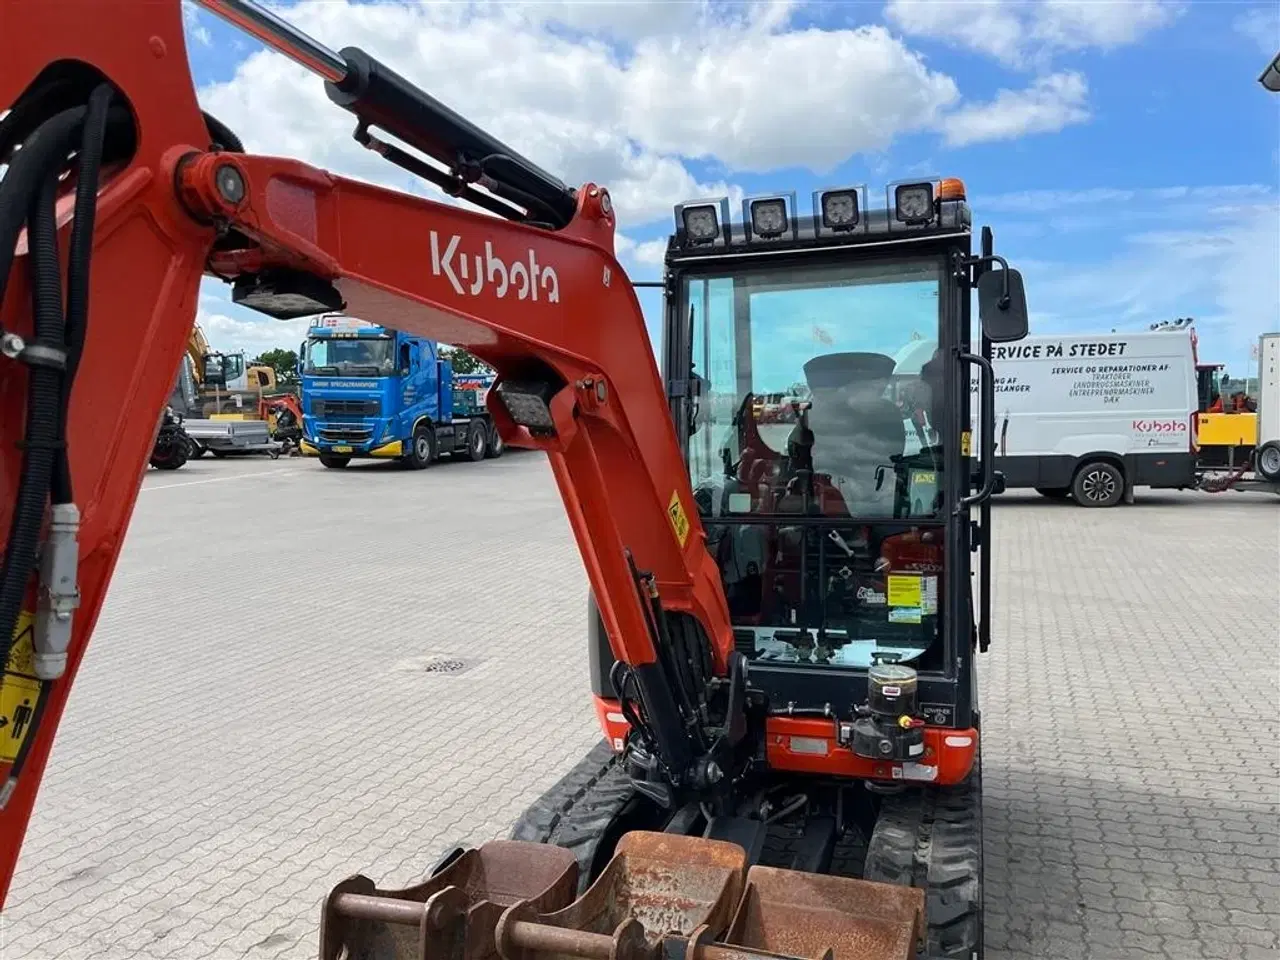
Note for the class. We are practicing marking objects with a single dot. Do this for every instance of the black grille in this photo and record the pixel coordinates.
(345, 434)
(345, 408)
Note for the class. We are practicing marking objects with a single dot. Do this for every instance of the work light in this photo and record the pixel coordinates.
(769, 217)
(527, 404)
(913, 202)
(700, 223)
(840, 209)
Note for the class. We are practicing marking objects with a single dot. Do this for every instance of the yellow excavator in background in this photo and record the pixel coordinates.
(213, 386)
(221, 385)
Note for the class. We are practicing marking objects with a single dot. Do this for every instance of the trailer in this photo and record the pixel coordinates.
(232, 437)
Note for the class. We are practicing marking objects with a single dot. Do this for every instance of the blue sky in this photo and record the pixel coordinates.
(1123, 152)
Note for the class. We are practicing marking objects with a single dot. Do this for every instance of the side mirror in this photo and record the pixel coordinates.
(1002, 305)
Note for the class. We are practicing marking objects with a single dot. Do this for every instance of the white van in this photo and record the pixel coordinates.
(1088, 416)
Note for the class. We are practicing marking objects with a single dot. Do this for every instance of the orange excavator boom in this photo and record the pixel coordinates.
(102, 88)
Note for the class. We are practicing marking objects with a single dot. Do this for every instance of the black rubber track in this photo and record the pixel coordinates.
(583, 808)
(932, 839)
(580, 810)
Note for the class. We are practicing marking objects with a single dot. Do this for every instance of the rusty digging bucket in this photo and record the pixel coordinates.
(661, 897)
(453, 909)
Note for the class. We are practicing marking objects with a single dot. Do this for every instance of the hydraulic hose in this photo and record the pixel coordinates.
(29, 189)
(81, 250)
(42, 150)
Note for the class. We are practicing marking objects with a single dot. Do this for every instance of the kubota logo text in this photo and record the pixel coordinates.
(1159, 426)
(468, 273)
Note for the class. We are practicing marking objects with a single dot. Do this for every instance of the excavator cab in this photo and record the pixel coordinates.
(845, 524)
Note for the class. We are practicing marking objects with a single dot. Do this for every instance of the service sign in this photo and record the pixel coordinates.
(1052, 395)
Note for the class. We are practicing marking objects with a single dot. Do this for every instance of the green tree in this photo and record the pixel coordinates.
(283, 362)
(464, 361)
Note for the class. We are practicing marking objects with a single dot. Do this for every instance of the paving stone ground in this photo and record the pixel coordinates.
(255, 720)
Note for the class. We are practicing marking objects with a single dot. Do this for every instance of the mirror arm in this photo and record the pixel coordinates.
(1004, 265)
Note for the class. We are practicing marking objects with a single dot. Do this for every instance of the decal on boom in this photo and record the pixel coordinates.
(477, 270)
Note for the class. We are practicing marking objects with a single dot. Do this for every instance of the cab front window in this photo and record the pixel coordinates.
(816, 457)
(341, 356)
(817, 390)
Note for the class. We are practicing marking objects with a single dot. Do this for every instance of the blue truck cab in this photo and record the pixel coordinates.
(372, 392)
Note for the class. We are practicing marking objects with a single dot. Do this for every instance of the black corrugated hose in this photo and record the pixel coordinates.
(29, 190)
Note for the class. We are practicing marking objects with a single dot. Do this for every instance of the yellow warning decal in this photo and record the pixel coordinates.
(904, 591)
(22, 655)
(679, 521)
(966, 444)
(19, 690)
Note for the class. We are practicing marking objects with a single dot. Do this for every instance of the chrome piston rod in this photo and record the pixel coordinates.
(280, 35)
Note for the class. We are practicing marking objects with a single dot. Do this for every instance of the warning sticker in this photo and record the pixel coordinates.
(679, 521)
(966, 444)
(19, 690)
(903, 591)
(929, 602)
(22, 653)
(18, 697)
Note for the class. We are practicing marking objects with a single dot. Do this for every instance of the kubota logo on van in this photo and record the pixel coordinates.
(1159, 426)
(468, 273)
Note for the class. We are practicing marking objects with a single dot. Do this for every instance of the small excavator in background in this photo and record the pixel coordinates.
(231, 406)
(783, 625)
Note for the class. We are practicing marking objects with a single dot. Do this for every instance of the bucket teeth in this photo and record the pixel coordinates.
(661, 897)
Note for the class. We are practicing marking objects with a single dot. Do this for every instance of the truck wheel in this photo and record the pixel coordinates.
(332, 462)
(494, 446)
(1098, 484)
(422, 447)
(477, 442)
(1268, 460)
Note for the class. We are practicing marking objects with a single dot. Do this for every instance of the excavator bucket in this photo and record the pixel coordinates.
(656, 884)
(454, 908)
(802, 914)
(661, 896)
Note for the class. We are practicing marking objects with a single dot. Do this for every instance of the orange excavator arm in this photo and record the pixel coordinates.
(537, 293)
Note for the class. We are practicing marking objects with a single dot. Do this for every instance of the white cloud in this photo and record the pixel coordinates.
(757, 101)
(230, 328)
(1262, 26)
(744, 90)
(646, 253)
(1047, 106)
(192, 25)
(1023, 32)
(1208, 252)
(988, 26)
(1078, 24)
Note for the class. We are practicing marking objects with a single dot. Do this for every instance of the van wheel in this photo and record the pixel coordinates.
(422, 447)
(1054, 493)
(1098, 484)
(477, 442)
(1268, 460)
(495, 446)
